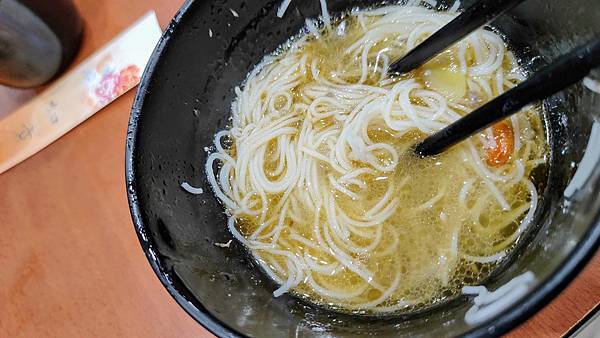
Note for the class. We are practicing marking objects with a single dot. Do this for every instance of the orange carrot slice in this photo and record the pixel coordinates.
(505, 144)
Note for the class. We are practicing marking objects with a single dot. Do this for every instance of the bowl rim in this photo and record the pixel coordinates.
(504, 322)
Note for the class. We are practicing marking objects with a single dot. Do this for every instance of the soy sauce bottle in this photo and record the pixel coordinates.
(38, 40)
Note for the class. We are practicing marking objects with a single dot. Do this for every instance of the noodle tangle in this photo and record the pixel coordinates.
(317, 179)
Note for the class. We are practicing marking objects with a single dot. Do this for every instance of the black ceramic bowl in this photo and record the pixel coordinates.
(184, 99)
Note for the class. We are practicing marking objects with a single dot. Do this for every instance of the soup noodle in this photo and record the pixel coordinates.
(319, 183)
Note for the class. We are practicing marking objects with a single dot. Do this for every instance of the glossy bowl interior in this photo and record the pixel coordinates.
(184, 99)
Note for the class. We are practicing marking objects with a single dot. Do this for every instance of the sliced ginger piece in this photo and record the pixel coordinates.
(441, 74)
(450, 83)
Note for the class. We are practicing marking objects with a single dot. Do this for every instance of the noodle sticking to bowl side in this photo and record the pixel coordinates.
(318, 178)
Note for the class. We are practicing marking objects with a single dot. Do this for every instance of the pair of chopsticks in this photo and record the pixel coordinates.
(564, 72)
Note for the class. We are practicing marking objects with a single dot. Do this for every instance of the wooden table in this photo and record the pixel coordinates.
(70, 262)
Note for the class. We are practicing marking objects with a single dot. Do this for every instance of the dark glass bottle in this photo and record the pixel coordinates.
(38, 40)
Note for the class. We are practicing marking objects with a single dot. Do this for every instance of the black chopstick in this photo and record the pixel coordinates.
(481, 13)
(567, 70)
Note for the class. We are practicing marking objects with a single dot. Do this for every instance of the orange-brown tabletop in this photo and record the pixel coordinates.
(70, 262)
